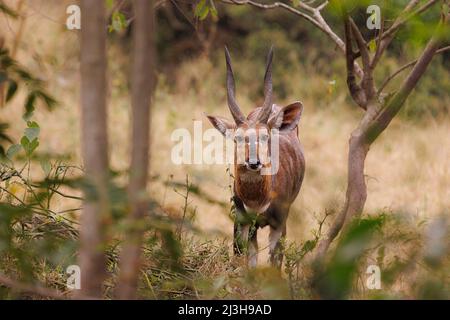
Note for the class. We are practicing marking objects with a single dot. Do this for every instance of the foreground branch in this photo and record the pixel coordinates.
(142, 88)
(31, 289)
(94, 147)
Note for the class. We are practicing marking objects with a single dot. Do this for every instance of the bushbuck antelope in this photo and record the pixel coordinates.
(263, 199)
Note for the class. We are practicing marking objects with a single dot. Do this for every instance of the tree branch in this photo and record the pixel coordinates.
(404, 67)
(316, 19)
(279, 5)
(356, 91)
(394, 104)
(407, 15)
(389, 34)
(367, 80)
(31, 289)
(373, 123)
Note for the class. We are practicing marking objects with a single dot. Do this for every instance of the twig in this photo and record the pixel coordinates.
(404, 67)
(279, 5)
(394, 104)
(183, 14)
(63, 194)
(185, 206)
(389, 34)
(13, 195)
(367, 80)
(31, 289)
(316, 19)
(406, 15)
(355, 90)
(117, 6)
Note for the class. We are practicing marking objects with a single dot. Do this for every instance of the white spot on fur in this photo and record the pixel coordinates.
(258, 210)
(245, 232)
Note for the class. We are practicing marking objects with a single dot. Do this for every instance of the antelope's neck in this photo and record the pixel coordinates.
(253, 189)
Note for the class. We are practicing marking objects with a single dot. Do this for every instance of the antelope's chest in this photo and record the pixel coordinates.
(254, 191)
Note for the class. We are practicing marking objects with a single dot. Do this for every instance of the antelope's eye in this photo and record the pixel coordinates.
(239, 138)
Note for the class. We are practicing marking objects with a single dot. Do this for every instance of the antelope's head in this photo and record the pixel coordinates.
(253, 135)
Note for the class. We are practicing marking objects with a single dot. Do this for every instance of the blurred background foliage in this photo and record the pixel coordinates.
(301, 51)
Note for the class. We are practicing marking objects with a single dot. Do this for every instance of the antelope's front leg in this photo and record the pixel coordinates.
(276, 245)
(252, 253)
(241, 228)
(246, 240)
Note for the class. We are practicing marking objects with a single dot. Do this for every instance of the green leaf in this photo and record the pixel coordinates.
(213, 9)
(335, 278)
(214, 12)
(25, 75)
(47, 99)
(25, 143)
(12, 88)
(118, 22)
(7, 10)
(3, 135)
(204, 13)
(32, 131)
(46, 166)
(28, 146)
(199, 8)
(32, 124)
(29, 106)
(13, 150)
(33, 145)
(109, 4)
(372, 45)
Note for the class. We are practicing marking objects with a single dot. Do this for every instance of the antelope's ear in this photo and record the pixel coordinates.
(221, 124)
(287, 118)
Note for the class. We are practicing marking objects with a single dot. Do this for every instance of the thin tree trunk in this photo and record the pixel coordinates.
(94, 147)
(356, 190)
(2, 85)
(375, 121)
(142, 89)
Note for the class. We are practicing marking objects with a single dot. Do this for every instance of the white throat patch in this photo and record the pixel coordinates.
(257, 210)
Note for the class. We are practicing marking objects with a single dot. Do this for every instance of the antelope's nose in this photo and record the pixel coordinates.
(255, 165)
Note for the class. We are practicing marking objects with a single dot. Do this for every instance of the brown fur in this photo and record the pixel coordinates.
(268, 196)
(257, 191)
